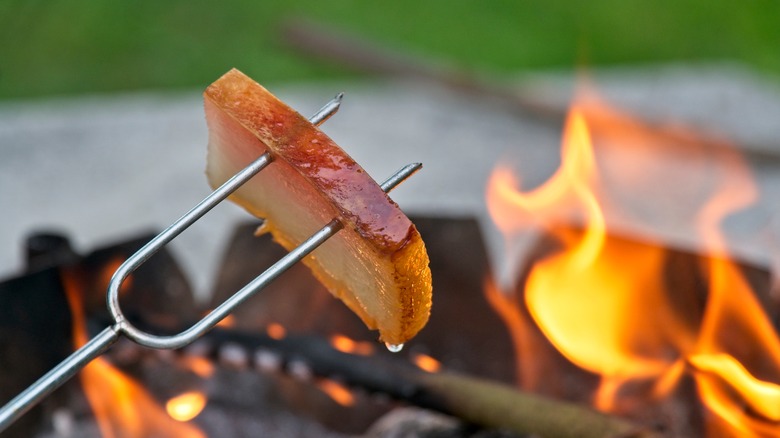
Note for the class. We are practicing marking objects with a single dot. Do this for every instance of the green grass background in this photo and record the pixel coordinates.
(63, 47)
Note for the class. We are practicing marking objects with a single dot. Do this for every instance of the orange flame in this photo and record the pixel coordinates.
(122, 408)
(603, 302)
(529, 374)
(347, 345)
(108, 271)
(735, 329)
(185, 407)
(583, 298)
(201, 366)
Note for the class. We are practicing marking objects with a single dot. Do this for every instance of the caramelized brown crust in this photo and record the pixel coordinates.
(377, 264)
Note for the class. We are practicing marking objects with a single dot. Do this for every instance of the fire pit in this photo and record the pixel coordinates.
(267, 363)
(564, 319)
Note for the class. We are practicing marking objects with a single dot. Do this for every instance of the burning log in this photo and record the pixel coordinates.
(459, 264)
(491, 404)
(34, 336)
(473, 394)
(609, 305)
(479, 401)
(482, 349)
(35, 320)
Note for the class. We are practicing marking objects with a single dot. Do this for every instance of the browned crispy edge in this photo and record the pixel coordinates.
(286, 133)
(290, 137)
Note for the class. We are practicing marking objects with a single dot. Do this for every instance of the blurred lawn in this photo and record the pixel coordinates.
(64, 47)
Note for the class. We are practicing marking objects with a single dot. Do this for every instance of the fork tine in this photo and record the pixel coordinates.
(95, 347)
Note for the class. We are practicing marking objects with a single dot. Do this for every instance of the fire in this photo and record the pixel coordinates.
(604, 302)
(426, 363)
(198, 365)
(762, 397)
(347, 345)
(185, 407)
(530, 374)
(108, 271)
(122, 407)
(338, 392)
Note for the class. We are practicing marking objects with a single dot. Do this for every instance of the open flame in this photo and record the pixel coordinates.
(200, 366)
(122, 407)
(185, 407)
(603, 302)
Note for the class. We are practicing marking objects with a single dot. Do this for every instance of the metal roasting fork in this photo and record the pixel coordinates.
(100, 343)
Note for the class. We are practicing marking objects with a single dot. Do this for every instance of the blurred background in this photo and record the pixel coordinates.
(103, 137)
(102, 133)
(54, 48)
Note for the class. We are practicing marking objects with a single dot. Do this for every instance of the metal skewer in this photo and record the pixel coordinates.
(105, 339)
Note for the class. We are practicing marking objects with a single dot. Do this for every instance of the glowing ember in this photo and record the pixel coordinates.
(338, 392)
(199, 365)
(426, 363)
(603, 302)
(186, 406)
(276, 331)
(347, 345)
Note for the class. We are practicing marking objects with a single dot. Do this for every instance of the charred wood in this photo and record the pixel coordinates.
(482, 402)
(459, 264)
